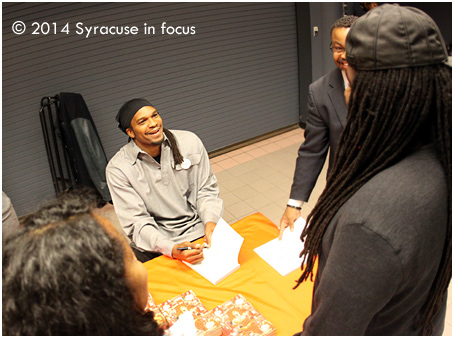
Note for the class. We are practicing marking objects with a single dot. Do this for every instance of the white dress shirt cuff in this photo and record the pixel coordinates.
(295, 203)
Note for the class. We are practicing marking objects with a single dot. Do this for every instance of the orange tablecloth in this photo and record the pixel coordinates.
(270, 293)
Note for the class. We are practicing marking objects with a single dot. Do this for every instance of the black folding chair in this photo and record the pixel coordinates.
(56, 155)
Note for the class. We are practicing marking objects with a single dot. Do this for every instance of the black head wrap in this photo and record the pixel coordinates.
(127, 112)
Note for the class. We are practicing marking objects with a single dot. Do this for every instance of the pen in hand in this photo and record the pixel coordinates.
(189, 248)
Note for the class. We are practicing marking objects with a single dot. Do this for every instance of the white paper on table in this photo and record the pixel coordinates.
(184, 326)
(283, 255)
(221, 259)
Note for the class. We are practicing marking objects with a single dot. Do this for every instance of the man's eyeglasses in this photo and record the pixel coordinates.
(336, 49)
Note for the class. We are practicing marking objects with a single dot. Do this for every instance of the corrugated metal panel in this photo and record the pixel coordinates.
(235, 78)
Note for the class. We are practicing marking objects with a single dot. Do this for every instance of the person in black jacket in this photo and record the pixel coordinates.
(325, 122)
(381, 232)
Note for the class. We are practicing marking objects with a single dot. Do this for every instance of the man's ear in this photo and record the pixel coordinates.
(130, 133)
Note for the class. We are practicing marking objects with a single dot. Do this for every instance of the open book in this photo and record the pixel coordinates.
(283, 255)
(221, 259)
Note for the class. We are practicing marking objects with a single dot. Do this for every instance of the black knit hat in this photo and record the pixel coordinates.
(391, 36)
(127, 112)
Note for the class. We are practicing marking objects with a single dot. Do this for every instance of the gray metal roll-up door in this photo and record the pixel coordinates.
(235, 78)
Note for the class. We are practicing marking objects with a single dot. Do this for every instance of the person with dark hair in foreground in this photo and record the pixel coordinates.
(381, 230)
(163, 189)
(68, 271)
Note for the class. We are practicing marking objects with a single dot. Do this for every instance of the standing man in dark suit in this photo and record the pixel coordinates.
(325, 122)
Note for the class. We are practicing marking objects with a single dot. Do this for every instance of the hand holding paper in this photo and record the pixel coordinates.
(283, 255)
(209, 229)
(288, 220)
(221, 259)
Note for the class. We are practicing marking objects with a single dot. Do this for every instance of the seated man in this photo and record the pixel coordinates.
(163, 190)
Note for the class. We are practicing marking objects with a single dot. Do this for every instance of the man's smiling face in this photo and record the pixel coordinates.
(338, 39)
(146, 127)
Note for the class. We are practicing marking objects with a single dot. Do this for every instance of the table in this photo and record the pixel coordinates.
(270, 293)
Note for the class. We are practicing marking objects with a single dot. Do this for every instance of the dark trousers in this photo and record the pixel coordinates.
(144, 256)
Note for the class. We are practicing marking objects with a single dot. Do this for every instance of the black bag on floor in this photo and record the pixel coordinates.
(82, 144)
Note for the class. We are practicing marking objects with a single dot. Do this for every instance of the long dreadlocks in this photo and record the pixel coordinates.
(177, 157)
(389, 115)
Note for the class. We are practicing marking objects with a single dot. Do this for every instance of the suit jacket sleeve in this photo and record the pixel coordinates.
(312, 153)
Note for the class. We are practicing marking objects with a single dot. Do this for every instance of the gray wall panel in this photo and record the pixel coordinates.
(323, 15)
(236, 78)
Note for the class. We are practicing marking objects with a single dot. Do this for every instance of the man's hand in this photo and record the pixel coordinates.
(193, 255)
(209, 228)
(287, 220)
(347, 93)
